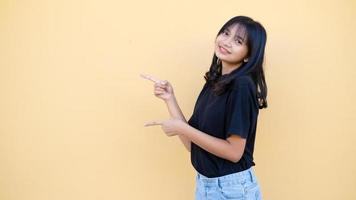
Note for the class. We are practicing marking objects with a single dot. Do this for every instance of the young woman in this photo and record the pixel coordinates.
(221, 132)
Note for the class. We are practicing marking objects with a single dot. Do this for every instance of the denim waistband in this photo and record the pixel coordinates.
(238, 177)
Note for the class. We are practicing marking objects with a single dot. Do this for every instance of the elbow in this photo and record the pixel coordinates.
(235, 158)
(188, 149)
(189, 146)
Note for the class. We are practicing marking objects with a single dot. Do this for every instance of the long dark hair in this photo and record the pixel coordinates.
(256, 41)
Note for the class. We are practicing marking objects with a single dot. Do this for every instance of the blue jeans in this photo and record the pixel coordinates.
(240, 185)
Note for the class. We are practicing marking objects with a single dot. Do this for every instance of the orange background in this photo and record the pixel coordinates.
(73, 105)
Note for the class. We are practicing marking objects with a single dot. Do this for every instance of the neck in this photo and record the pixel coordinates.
(227, 68)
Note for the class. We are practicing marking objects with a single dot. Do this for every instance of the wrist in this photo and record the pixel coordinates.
(183, 128)
(170, 100)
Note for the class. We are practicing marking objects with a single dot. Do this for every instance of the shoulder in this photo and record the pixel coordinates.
(243, 81)
(244, 87)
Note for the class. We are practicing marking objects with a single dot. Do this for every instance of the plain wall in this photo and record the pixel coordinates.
(73, 105)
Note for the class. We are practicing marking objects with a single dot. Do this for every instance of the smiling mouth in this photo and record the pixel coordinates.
(223, 50)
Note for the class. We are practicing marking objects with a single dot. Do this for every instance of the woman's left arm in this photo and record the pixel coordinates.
(231, 149)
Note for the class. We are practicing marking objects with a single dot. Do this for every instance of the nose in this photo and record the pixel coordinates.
(227, 42)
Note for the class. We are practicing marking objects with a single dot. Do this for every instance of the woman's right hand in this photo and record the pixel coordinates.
(161, 88)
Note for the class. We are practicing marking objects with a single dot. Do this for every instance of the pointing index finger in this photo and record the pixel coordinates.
(153, 123)
(148, 77)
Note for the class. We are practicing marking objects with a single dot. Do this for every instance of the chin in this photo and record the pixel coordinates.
(218, 54)
(221, 57)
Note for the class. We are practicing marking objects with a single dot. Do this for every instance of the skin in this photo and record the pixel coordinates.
(230, 149)
(231, 49)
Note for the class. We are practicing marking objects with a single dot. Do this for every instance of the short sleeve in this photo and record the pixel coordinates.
(192, 121)
(241, 111)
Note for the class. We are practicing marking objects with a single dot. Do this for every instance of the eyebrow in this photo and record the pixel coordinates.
(243, 39)
(239, 37)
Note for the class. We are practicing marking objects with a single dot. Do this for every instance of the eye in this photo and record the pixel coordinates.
(238, 41)
(225, 32)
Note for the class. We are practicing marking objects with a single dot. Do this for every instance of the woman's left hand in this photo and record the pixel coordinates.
(171, 127)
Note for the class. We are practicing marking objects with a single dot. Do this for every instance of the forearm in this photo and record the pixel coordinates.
(174, 109)
(219, 147)
(176, 113)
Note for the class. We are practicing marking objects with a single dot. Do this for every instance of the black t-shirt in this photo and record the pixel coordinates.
(233, 112)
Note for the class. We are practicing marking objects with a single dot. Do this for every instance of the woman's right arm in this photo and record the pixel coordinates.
(164, 91)
(176, 113)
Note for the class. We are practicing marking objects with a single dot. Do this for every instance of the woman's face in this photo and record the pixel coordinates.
(230, 45)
